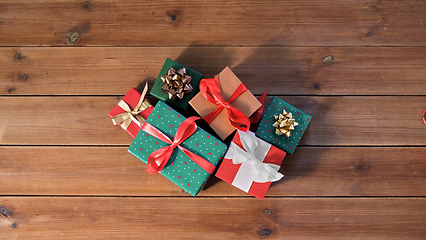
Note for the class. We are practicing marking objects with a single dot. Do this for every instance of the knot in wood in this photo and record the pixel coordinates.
(4, 211)
(10, 90)
(328, 59)
(173, 16)
(74, 34)
(374, 7)
(267, 211)
(316, 86)
(22, 77)
(74, 37)
(87, 5)
(18, 56)
(264, 232)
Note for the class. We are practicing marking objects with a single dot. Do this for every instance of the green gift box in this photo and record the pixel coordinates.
(266, 131)
(157, 92)
(180, 169)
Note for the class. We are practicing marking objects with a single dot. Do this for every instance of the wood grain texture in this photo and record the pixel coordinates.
(309, 171)
(201, 22)
(207, 218)
(281, 70)
(359, 121)
(358, 67)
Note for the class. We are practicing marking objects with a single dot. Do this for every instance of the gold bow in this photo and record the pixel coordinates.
(284, 123)
(176, 83)
(132, 115)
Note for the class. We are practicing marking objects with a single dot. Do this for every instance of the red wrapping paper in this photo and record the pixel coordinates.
(228, 170)
(131, 98)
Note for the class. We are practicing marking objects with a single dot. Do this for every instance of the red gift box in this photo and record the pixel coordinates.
(269, 154)
(132, 98)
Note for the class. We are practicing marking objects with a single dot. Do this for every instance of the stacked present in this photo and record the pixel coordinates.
(174, 146)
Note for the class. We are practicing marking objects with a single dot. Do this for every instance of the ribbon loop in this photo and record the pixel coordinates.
(210, 88)
(158, 159)
(132, 115)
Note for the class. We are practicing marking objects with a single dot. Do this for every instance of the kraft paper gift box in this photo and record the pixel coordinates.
(125, 115)
(180, 169)
(245, 102)
(181, 104)
(251, 164)
(266, 130)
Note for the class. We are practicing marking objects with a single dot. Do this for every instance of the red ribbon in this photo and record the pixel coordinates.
(256, 115)
(210, 88)
(158, 159)
(424, 120)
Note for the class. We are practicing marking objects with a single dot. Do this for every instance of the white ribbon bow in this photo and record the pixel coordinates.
(252, 168)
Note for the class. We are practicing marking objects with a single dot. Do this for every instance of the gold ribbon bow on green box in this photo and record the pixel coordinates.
(284, 124)
(176, 83)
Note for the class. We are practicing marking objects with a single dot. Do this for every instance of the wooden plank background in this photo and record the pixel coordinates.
(167, 218)
(345, 171)
(358, 67)
(290, 70)
(202, 22)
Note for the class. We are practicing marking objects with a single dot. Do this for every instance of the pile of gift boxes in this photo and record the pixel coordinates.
(174, 146)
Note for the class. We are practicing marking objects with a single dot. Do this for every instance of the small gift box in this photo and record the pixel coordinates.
(176, 84)
(131, 111)
(283, 125)
(178, 149)
(251, 164)
(225, 103)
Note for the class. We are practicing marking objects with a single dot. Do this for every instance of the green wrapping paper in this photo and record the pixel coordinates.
(180, 169)
(180, 103)
(266, 131)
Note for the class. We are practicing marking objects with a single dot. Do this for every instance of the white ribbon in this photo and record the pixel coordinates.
(252, 168)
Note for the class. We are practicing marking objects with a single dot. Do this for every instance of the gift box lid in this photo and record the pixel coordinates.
(266, 131)
(180, 103)
(246, 103)
(180, 169)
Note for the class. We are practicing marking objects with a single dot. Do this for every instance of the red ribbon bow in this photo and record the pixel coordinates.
(158, 159)
(210, 88)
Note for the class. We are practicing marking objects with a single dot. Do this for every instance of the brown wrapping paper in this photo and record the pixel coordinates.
(246, 102)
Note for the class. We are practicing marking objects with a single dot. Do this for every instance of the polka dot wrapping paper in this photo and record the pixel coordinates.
(180, 169)
(266, 131)
(180, 103)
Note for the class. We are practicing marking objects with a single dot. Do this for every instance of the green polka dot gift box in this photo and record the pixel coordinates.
(268, 132)
(179, 168)
(181, 92)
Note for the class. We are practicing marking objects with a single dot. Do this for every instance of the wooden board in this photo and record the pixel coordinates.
(281, 70)
(343, 121)
(358, 67)
(310, 171)
(207, 218)
(171, 23)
